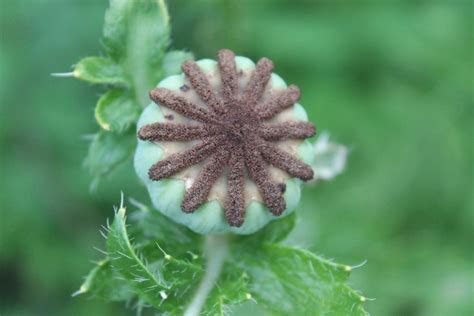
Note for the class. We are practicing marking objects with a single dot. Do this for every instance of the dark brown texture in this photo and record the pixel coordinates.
(235, 201)
(233, 134)
(199, 191)
(278, 102)
(286, 130)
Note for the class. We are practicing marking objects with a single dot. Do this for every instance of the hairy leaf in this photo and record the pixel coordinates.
(163, 267)
(117, 111)
(146, 283)
(183, 277)
(151, 226)
(105, 283)
(230, 291)
(291, 281)
(156, 277)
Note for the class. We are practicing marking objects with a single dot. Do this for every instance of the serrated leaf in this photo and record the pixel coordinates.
(107, 151)
(147, 284)
(182, 276)
(136, 35)
(117, 111)
(103, 282)
(173, 60)
(99, 70)
(230, 291)
(165, 282)
(152, 226)
(290, 281)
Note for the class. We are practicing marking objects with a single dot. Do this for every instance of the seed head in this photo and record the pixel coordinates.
(234, 123)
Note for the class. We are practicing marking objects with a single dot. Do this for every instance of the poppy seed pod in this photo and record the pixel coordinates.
(222, 148)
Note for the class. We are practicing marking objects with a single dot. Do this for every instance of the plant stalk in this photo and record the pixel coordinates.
(215, 250)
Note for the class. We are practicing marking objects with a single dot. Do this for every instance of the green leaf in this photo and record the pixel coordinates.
(147, 284)
(115, 28)
(103, 282)
(290, 281)
(151, 225)
(120, 17)
(230, 291)
(173, 60)
(117, 111)
(165, 282)
(107, 151)
(182, 277)
(99, 70)
(136, 35)
(284, 280)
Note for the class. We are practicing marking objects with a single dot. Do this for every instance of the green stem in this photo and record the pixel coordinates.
(216, 250)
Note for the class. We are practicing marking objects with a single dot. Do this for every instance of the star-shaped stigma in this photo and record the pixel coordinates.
(234, 135)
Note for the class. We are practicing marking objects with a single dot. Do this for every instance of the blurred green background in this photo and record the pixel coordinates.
(391, 79)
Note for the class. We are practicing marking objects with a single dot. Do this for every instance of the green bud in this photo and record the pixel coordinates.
(192, 183)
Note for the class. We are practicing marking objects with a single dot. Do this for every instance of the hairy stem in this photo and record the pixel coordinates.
(215, 249)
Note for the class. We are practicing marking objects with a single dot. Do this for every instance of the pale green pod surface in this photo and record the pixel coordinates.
(167, 194)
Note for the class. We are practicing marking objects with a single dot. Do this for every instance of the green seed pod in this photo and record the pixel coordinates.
(222, 148)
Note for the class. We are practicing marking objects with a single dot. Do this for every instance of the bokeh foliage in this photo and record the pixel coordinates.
(392, 79)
